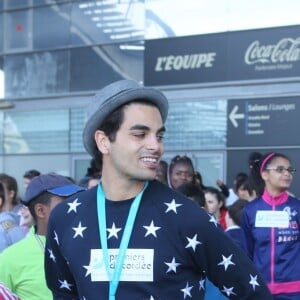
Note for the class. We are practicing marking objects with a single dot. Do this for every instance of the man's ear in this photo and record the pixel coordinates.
(1, 201)
(102, 141)
(40, 210)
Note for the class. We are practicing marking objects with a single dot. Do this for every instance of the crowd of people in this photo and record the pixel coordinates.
(139, 227)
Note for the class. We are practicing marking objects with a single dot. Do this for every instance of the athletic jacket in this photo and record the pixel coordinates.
(274, 249)
(174, 245)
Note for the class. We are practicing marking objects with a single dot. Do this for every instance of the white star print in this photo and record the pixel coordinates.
(89, 269)
(151, 229)
(202, 284)
(192, 242)
(226, 262)
(51, 255)
(228, 291)
(172, 206)
(65, 284)
(73, 206)
(56, 238)
(253, 281)
(213, 220)
(187, 291)
(151, 298)
(113, 231)
(78, 230)
(172, 265)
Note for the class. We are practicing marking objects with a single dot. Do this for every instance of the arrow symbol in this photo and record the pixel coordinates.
(233, 116)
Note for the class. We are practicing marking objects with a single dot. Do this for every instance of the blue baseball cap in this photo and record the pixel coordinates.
(53, 183)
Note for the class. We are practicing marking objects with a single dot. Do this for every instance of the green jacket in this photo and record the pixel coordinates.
(22, 268)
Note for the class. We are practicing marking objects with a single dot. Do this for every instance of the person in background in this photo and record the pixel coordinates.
(193, 192)
(245, 190)
(233, 222)
(93, 181)
(181, 170)
(93, 171)
(28, 175)
(161, 172)
(255, 180)
(12, 202)
(152, 242)
(22, 265)
(223, 187)
(10, 231)
(214, 205)
(6, 293)
(271, 224)
(241, 176)
(26, 220)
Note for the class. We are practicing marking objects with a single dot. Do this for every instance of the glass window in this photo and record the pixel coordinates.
(195, 125)
(1, 32)
(36, 74)
(94, 67)
(41, 2)
(18, 30)
(51, 26)
(1, 5)
(16, 3)
(2, 93)
(95, 22)
(1, 131)
(77, 123)
(44, 131)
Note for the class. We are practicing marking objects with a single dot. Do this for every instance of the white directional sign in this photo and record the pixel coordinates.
(263, 122)
(234, 116)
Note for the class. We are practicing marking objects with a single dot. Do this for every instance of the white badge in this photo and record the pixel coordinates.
(269, 218)
(137, 266)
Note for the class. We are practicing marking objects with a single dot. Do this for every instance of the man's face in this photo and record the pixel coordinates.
(138, 146)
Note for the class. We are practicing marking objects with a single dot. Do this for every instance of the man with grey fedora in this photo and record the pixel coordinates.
(132, 237)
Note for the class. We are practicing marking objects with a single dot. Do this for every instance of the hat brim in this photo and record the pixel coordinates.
(107, 107)
(66, 190)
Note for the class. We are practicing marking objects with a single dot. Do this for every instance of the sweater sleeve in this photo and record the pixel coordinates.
(58, 276)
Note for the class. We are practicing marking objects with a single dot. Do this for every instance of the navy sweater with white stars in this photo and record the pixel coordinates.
(173, 246)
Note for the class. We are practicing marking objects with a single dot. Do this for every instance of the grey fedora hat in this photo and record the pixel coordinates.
(113, 96)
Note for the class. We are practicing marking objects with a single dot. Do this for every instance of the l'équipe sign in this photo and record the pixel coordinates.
(263, 122)
(185, 60)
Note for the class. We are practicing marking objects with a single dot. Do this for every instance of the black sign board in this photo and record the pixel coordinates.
(185, 60)
(229, 56)
(263, 122)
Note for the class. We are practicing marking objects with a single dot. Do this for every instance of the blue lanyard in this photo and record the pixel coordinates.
(114, 278)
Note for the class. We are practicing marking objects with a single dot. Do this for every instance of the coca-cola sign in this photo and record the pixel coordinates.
(286, 50)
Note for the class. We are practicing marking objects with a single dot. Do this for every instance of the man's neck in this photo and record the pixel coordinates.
(121, 190)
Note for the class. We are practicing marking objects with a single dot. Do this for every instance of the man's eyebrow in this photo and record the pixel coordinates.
(144, 127)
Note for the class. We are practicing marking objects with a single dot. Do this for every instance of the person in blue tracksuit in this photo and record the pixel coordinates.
(271, 225)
